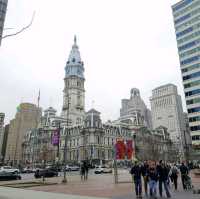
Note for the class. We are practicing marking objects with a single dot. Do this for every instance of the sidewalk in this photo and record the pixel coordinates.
(12, 193)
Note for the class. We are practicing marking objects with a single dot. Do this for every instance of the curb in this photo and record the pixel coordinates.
(196, 191)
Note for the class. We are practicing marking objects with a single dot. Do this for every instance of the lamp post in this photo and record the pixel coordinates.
(66, 137)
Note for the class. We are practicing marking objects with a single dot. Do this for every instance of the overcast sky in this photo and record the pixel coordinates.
(123, 43)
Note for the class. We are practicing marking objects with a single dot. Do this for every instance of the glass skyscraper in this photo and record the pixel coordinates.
(187, 27)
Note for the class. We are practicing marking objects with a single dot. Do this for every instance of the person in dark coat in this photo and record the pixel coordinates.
(153, 178)
(174, 175)
(86, 170)
(136, 171)
(82, 171)
(184, 172)
(145, 168)
(163, 173)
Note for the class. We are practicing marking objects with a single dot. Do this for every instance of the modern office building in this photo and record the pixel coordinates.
(167, 111)
(3, 9)
(74, 93)
(186, 15)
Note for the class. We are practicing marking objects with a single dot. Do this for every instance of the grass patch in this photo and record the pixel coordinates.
(27, 184)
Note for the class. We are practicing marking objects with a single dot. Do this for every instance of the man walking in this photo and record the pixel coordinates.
(163, 178)
(136, 171)
(145, 168)
(184, 172)
(153, 178)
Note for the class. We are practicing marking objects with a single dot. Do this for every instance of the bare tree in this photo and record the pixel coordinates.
(22, 29)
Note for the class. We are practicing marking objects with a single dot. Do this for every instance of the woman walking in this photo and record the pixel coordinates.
(174, 175)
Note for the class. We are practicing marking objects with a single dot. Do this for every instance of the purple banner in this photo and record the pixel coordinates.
(55, 137)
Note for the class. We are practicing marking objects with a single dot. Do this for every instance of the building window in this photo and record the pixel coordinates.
(183, 18)
(194, 110)
(191, 84)
(194, 92)
(195, 137)
(195, 128)
(193, 101)
(188, 45)
(194, 119)
(98, 140)
(190, 29)
(182, 5)
(191, 59)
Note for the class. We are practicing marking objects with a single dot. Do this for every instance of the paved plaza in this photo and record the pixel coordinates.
(97, 186)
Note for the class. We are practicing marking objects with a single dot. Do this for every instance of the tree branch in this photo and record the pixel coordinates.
(21, 30)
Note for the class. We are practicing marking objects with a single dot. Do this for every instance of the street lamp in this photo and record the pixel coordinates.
(66, 137)
(65, 159)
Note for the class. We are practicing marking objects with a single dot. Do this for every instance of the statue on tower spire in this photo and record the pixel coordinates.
(75, 39)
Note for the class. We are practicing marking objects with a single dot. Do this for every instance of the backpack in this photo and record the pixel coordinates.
(174, 171)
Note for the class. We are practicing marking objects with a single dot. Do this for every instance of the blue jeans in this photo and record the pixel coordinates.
(165, 186)
(153, 188)
(138, 187)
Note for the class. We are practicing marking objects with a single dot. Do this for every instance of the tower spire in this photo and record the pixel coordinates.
(75, 39)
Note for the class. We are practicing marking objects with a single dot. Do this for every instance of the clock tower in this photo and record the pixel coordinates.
(74, 93)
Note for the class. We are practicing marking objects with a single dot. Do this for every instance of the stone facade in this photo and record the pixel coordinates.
(134, 110)
(74, 93)
(27, 117)
(94, 141)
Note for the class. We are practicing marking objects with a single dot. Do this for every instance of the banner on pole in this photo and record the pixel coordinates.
(55, 137)
(124, 150)
(120, 149)
(129, 149)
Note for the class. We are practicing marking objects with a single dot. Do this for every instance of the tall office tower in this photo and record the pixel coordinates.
(27, 117)
(187, 27)
(74, 93)
(2, 117)
(167, 111)
(3, 9)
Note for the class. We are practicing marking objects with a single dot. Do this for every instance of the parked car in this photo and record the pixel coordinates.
(4, 175)
(27, 170)
(72, 168)
(102, 169)
(9, 169)
(46, 173)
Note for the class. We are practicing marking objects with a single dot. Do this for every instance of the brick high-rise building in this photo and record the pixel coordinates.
(27, 117)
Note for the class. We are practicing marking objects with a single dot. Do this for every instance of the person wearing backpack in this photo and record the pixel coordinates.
(174, 175)
(136, 172)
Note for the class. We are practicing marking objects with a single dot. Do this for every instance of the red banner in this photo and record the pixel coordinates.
(120, 149)
(129, 149)
(124, 150)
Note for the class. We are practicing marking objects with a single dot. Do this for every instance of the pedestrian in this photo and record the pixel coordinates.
(136, 171)
(174, 175)
(145, 168)
(82, 171)
(184, 173)
(153, 178)
(163, 174)
(86, 170)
